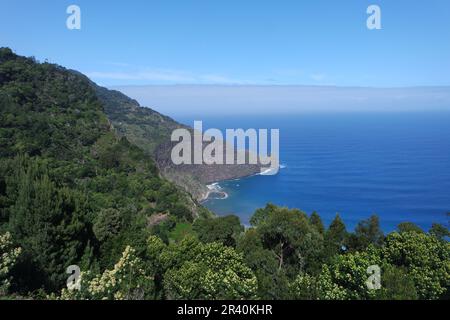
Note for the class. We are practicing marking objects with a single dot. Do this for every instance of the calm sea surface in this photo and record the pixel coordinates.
(395, 165)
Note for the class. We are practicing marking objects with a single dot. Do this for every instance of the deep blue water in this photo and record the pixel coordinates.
(395, 165)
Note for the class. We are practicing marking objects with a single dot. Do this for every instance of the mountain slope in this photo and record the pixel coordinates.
(151, 131)
(71, 189)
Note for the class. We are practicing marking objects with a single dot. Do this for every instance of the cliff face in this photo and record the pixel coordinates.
(190, 176)
(151, 131)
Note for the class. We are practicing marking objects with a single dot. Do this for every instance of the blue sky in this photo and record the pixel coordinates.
(238, 42)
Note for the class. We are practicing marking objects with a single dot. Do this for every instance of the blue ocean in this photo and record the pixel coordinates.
(395, 165)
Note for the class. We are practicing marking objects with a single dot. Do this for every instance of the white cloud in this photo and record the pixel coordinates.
(165, 76)
(117, 64)
(318, 76)
(157, 75)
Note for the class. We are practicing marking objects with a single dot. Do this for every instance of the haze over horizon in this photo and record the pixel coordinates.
(208, 57)
(205, 100)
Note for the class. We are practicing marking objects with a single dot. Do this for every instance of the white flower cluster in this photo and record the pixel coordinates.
(8, 257)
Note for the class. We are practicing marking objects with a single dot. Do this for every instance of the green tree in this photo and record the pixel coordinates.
(50, 224)
(396, 284)
(335, 237)
(409, 227)
(129, 279)
(439, 231)
(426, 259)
(108, 223)
(290, 237)
(8, 258)
(262, 214)
(221, 229)
(316, 221)
(273, 283)
(346, 276)
(367, 232)
(193, 270)
(305, 287)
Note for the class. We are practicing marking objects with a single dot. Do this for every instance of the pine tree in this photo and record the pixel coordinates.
(49, 223)
(335, 237)
(316, 221)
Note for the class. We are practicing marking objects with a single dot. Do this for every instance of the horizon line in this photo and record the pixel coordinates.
(318, 86)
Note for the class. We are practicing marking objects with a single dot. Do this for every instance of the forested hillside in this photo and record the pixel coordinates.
(75, 192)
(71, 190)
(151, 131)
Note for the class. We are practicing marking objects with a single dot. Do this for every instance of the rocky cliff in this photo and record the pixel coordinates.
(151, 131)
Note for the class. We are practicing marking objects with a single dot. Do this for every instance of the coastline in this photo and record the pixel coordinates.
(215, 188)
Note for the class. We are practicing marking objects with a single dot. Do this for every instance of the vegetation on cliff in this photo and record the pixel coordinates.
(75, 191)
(151, 131)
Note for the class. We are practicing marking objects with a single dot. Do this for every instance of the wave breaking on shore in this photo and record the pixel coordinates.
(215, 190)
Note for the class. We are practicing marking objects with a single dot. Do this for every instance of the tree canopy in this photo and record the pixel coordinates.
(75, 192)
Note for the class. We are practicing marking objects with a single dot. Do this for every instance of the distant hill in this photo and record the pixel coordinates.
(151, 131)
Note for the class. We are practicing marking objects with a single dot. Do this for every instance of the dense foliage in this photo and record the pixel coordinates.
(73, 191)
